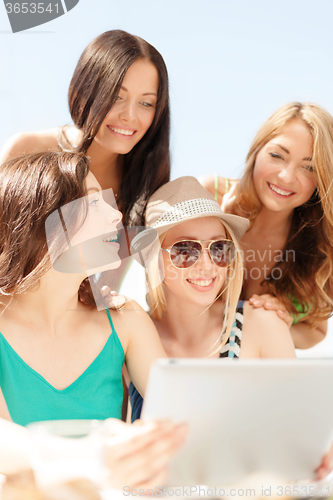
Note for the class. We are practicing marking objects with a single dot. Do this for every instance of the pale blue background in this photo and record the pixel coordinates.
(231, 64)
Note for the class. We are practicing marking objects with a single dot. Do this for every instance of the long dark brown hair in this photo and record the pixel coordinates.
(32, 187)
(308, 275)
(93, 90)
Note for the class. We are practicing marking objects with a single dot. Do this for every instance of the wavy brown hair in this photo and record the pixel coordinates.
(32, 187)
(93, 90)
(309, 277)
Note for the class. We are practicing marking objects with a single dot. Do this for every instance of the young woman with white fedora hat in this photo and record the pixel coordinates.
(196, 278)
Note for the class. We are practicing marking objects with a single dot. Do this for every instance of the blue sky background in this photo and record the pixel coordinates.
(231, 64)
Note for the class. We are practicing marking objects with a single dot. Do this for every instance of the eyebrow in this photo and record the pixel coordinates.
(93, 190)
(286, 150)
(146, 93)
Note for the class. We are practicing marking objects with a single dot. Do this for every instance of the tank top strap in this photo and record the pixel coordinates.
(110, 321)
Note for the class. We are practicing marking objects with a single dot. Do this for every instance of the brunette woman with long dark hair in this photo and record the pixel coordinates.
(119, 103)
(61, 358)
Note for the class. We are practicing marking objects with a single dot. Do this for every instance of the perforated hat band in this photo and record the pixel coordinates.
(186, 199)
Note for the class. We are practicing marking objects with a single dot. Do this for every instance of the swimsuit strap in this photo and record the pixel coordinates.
(227, 185)
(216, 186)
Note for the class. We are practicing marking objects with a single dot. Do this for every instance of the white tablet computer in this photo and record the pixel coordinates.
(273, 416)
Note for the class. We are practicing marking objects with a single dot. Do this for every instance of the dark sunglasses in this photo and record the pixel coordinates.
(184, 254)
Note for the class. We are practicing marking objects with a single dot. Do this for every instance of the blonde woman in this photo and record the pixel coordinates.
(195, 281)
(287, 194)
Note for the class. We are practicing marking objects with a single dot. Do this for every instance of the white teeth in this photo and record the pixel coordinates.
(110, 239)
(279, 191)
(121, 131)
(201, 282)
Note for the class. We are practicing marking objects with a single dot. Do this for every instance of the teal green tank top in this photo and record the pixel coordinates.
(96, 394)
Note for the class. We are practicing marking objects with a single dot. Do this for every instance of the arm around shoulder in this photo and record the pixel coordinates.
(28, 142)
(16, 145)
(265, 335)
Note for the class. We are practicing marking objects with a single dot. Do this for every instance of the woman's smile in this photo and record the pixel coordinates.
(203, 284)
(121, 132)
(279, 190)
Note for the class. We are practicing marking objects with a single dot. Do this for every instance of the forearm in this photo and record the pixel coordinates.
(305, 336)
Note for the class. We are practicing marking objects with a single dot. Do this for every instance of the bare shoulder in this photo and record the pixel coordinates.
(28, 142)
(259, 315)
(208, 182)
(265, 334)
(130, 316)
(133, 326)
(217, 185)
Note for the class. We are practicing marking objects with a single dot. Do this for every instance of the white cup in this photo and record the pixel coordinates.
(64, 450)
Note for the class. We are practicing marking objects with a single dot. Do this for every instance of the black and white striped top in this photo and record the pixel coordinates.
(233, 346)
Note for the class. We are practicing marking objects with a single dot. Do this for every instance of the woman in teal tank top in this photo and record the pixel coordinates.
(60, 357)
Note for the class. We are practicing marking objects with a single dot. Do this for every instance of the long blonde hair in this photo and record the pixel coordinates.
(230, 291)
(310, 277)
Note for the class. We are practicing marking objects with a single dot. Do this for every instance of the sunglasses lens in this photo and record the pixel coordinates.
(185, 253)
(222, 252)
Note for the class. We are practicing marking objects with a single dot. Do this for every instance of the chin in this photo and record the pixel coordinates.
(275, 206)
(122, 149)
(101, 269)
(205, 300)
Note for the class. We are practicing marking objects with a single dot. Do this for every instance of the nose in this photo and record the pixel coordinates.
(287, 174)
(128, 111)
(113, 216)
(204, 262)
